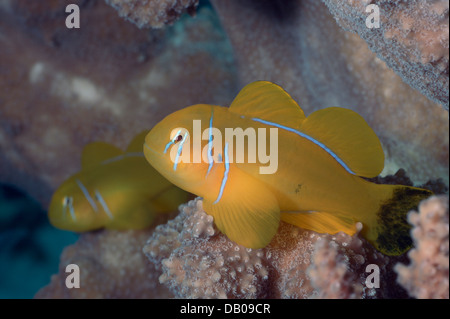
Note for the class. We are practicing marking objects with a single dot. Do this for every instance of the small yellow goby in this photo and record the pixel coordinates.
(317, 182)
(114, 190)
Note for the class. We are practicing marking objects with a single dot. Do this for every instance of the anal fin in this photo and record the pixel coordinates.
(320, 222)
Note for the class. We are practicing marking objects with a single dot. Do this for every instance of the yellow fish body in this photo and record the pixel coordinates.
(315, 183)
(114, 190)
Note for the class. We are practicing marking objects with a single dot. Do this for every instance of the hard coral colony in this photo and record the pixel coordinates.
(315, 224)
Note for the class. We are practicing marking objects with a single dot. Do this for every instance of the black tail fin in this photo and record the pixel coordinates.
(392, 230)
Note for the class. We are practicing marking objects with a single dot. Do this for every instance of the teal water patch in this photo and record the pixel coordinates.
(29, 246)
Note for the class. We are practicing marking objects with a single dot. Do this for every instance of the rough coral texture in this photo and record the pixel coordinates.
(437, 186)
(63, 88)
(427, 276)
(298, 44)
(153, 13)
(413, 39)
(332, 274)
(111, 265)
(197, 261)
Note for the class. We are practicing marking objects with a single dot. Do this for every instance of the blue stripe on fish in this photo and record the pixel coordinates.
(103, 203)
(72, 211)
(86, 194)
(225, 174)
(290, 129)
(180, 147)
(171, 142)
(210, 158)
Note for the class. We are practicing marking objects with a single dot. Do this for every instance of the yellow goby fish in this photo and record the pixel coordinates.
(315, 184)
(114, 190)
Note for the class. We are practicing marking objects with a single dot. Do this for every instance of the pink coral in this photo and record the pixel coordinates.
(427, 276)
(332, 274)
(153, 13)
(197, 261)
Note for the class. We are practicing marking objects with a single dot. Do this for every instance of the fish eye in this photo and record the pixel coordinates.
(67, 200)
(178, 134)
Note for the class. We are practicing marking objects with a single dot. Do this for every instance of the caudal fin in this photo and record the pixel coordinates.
(387, 228)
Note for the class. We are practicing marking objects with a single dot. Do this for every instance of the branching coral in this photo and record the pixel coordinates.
(111, 265)
(428, 274)
(197, 261)
(413, 39)
(153, 13)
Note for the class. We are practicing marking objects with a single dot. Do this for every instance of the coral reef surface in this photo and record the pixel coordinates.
(62, 88)
(427, 274)
(111, 265)
(153, 13)
(412, 38)
(108, 80)
(298, 45)
(197, 261)
(189, 258)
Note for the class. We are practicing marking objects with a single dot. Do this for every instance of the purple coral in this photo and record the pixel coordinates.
(427, 275)
(197, 261)
(413, 39)
(153, 13)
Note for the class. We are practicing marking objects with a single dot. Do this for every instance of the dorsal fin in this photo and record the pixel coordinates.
(268, 101)
(137, 143)
(349, 136)
(97, 152)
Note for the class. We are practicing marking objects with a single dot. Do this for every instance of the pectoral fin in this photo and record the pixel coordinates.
(320, 222)
(248, 213)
